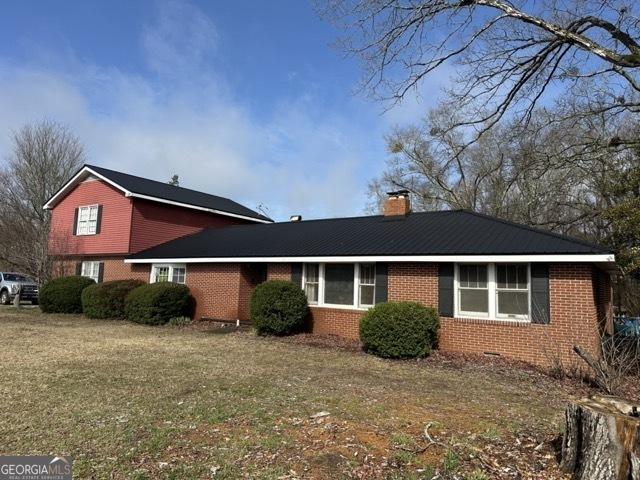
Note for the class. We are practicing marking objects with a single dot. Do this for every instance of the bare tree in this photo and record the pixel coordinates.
(510, 56)
(45, 155)
(540, 174)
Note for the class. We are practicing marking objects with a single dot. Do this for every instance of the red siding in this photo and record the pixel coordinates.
(128, 225)
(154, 223)
(116, 221)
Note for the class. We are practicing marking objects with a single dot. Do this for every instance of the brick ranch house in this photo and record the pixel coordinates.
(500, 288)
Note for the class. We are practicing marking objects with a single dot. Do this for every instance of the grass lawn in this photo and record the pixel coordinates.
(130, 401)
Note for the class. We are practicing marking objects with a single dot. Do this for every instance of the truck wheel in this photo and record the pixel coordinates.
(5, 298)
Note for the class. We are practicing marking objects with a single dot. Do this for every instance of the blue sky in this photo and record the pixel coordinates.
(241, 99)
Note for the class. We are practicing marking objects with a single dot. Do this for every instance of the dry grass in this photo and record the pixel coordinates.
(130, 401)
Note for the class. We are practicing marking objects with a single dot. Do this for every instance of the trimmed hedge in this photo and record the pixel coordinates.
(64, 294)
(399, 330)
(106, 300)
(278, 307)
(157, 303)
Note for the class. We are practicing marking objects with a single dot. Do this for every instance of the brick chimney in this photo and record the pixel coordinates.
(398, 203)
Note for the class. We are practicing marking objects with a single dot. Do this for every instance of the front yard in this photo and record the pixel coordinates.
(129, 401)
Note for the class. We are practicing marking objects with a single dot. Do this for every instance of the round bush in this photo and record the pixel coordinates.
(399, 330)
(64, 294)
(106, 300)
(157, 303)
(278, 307)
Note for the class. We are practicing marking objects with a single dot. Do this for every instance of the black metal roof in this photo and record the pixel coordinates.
(454, 232)
(152, 188)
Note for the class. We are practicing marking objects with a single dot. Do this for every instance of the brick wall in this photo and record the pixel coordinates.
(576, 297)
(279, 271)
(216, 289)
(335, 321)
(573, 318)
(413, 282)
(114, 268)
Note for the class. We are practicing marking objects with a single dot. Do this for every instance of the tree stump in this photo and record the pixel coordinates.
(602, 439)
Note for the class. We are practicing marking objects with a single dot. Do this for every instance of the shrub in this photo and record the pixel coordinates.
(278, 307)
(399, 330)
(157, 303)
(106, 300)
(63, 295)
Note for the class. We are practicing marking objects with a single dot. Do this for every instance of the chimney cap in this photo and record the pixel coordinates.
(398, 193)
(295, 218)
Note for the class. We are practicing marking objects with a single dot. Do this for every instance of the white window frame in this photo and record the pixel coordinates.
(80, 225)
(171, 267)
(304, 283)
(492, 291)
(355, 304)
(360, 284)
(87, 269)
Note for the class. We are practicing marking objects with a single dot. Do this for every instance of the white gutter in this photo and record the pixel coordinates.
(533, 258)
(127, 193)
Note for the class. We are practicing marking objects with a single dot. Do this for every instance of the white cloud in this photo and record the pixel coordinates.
(181, 39)
(300, 160)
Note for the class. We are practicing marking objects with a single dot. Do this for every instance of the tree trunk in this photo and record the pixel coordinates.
(602, 439)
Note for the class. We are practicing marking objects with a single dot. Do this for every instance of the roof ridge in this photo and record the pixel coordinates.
(158, 181)
(326, 219)
(530, 228)
(105, 171)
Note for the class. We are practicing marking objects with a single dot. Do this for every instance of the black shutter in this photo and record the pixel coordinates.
(382, 284)
(100, 272)
(75, 222)
(99, 220)
(296, 273)
(445, 289)
(79, 268)
(540, 311)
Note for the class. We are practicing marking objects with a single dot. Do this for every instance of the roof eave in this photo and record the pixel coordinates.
(64, 190)
(197, 207)
(601, 258)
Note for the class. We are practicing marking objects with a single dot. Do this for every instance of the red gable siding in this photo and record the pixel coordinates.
(155, 223)
(115, 227)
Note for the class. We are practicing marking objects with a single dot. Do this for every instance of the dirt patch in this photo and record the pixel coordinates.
(320, 341)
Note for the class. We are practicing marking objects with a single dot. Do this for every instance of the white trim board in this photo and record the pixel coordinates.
(539, 258)
(195, 207)
(71, 183)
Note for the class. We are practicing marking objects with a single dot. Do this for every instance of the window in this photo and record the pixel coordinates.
(91, 270)
(168, 273)
(473, 289)
(340, 284)
(367, 288)
(512, 291)
(87, 220)
(178, 274)
(312, 282)
(497, 291)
